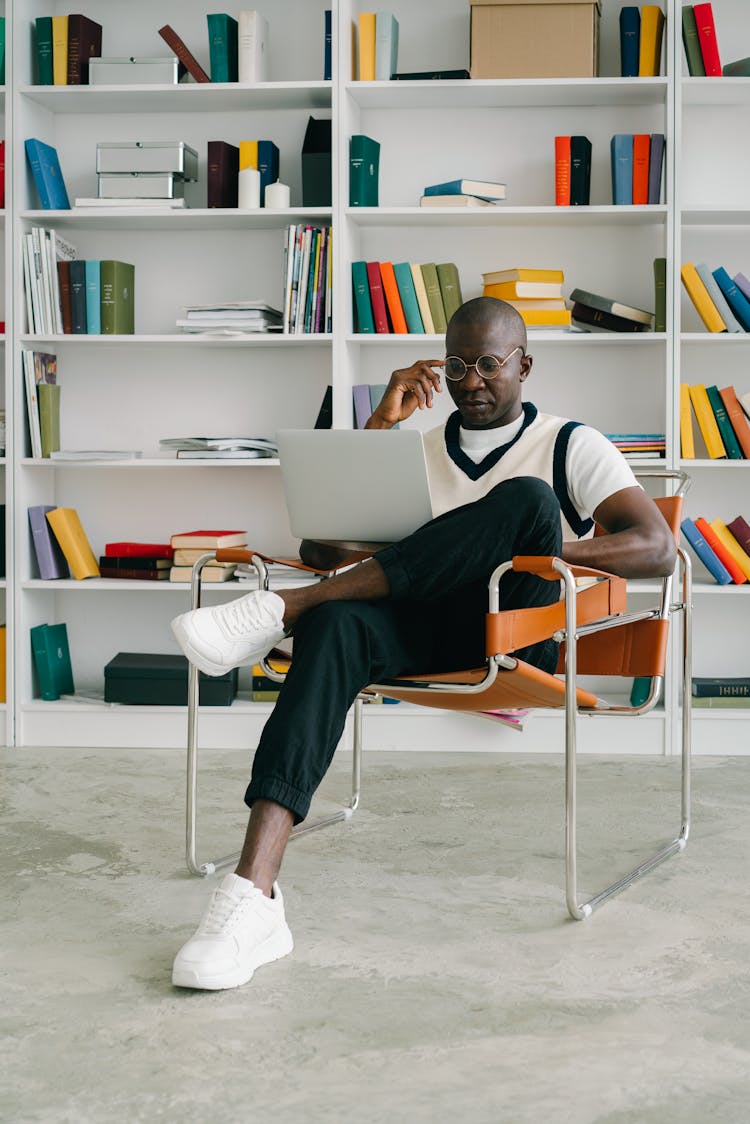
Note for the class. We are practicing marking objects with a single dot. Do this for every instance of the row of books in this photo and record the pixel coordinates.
(308, 277)
(639, 446)
(641, 34)
(637, 160)
(723, 419)
(701, 45)
(723, 548)
(377, 47)
(721, 301)
(64, 46)
(404, 297)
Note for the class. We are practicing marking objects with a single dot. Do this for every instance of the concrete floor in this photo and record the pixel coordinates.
(435, 976)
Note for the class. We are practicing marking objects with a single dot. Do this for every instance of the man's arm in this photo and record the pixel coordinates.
(638, 543)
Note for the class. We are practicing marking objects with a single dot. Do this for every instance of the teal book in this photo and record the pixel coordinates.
(731, 444)
(48, 178)
(93, 298)
(621, 153)
(364, 170)
(408, 294)
(49, 645)
(640, 690)
(222, 47)
(117, 303)
(716, 295)
(44, 75)
(2, 50)
(386, 46)
(736, 299)
(365, 322)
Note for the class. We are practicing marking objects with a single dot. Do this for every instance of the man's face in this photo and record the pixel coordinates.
(487, 404)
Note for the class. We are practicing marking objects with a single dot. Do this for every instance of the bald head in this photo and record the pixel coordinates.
(487, 313)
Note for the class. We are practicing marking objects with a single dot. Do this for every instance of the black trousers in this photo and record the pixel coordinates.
(432, 621)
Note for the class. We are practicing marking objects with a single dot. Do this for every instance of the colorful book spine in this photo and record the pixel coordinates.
(703, 551)
(730, 542)
(223, 47)
(377, 297)
(693, 55)
(580, 171)
(361, 404)
(652, 33)
(736, 299)
(698, 294)
(737, 418)
(741, 531)
(718, 298)
(721, 552)
(709, 45)
(704, 415)
(365, 323)
(655, 167)
(66, 525)
(434, 297)
(327, 45)
(386, 46)
(60, 50)
(731, 444)
(188, 60)
(687, 439)
(93, 298)
(407, 292)
(562, 171)
(78, 296)
(393, 298)
(621, 158)
(44, 68)
(118, 300)
(641, 151)
(424, 304)
(49, 557)
(450, 288)
(630, 37)
(728, 687)
(660, 294)
(366, 46)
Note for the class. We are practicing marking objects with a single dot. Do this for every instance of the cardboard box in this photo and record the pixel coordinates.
(535, 38)
(155, 679)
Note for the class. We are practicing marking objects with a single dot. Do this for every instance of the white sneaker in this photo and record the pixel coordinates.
(235, 634)
(240, 930)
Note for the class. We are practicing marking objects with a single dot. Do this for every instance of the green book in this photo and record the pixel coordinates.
(434, 297)
(364, 163)
(660, 294)
(222, 47)
(118, 310)
(640, 690)
(44, 51)
(721, 702)
(362, 302)
(731, 444)
(2, 50)
(49, 645)
(48, 397)
(690, 40)
(450, 287)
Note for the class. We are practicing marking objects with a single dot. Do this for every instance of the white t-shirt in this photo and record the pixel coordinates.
(594, 468)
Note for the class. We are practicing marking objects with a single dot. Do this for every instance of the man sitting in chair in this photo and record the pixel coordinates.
(505, 480)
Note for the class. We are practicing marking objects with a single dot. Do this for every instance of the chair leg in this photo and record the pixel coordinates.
(579, 912)
(207, 868)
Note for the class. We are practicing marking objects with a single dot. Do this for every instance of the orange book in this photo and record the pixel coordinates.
(71, 536)
(737, 419)
(562, 171)
(393, 298)
(366, 46)
(721, 552)
(641, 151)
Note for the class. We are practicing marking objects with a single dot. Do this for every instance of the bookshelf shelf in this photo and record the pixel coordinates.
(502, 215)
(509, 93)
(183, 340)
(158, 464)
(535, 336)
(715, 339)
(718, 463)
(190, 219)
(715, 215)
(701, 587)
(715, 91)
(213, 97)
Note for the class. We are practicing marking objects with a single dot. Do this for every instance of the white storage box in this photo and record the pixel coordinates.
(174, 157)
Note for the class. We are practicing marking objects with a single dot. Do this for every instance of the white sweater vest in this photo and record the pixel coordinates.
(538, 449)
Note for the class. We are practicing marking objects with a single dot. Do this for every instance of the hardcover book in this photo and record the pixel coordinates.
(434, 297)
(49, 645)
(715, 687)
(386, 46)
(704, 415)
(129, 549)
(49, 556)
(660, 294)
(222, 172)
(450, 287)
(698, 294)
(580, 171)
(737, 419)
(741, 532)
(738, 69)
(500, 276)
(484, 189)
(393, 298)
(652, 31)
(209, 573)
(687, 437)
(60, 50)
(118, 300)
(597, 318)
(424, 304)
(655, 166)
(188, 60)
(44, 72)
(377, 298)
(701, 548)
(84, 43)
(78, 296)
(252, 47)
(324, 420)
(407, 292)
(208, 540)
(93, 298)
(693, 55)
(608, 304)
(364, 164)
(431, 76)
(630, 37)
(704, 22)
(720, 551)
(621, 156)
(48, 395)
(641, 150)
(361, 404)
(327, 45)
(317, 189)
(222, 47)
(562, 171)
(366, 47)
(718, 298)
(730, 542)
(48, 177)
(71, 536)
(365, 322)
(736, 299)
(731, 444)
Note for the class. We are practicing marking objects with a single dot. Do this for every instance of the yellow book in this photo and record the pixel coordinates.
(500, 276)
(706, 419)
(367, 46)
(727, 539)
(524, 305)
(687, 441)
(75, 546)
(652, 28)
(60, 50)
(698, 294)
(249, 154)
(545, 318)
(3, 664)
(422, 301)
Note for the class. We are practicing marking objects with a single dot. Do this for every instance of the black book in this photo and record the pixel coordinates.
(430, 75)
(324, 419)
(78, 296)
(584, 314)
(580, 171)
(134, 562)
(222, 174)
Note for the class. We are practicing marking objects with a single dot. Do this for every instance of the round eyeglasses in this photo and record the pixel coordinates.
(486, 366)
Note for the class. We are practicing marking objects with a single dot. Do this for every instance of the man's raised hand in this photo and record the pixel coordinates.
(408, 389)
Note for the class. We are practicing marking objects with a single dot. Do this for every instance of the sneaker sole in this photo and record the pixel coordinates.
(279, 944)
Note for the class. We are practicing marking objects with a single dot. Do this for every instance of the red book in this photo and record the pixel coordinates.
(208, 540)
(721, 552)
(84, 43)
(392, 297)
(562, 171)
(737, 419)
(63, 278)
(375, 282)
(704, 22)
(138, 550)
(741, 532)
(641, 152)
(190, 62)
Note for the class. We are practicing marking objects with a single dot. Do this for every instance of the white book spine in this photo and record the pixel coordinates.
(35, 327)
(42, 278)
(56, 305)
(252, 36)
(288, 267)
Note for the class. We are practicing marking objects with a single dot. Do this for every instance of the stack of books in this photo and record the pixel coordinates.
(404, 297)
(142, 173)
(188, 546)
(639, 446)
(721, 301)
(723, 548)
(463, 193)
(220, 448)
(723, 422)
(637, 160)
(136, 561)
(308, 272)
(535, 293)
(231, 318)
(600, 313)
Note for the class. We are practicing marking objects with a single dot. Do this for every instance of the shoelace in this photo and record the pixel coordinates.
(241, 616)
(222, 909)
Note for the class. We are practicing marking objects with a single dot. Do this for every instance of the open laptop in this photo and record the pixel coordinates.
(354, 487)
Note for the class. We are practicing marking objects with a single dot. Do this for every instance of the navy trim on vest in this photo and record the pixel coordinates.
(580, 527)
(466, 464)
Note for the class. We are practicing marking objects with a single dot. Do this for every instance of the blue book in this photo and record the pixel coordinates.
(48, 178)
(361, 404)
(327, 70)
(736, 299)
(621, 153)
(386, 46)
(93, 299)
(78, 296)
(655, 165)
(408, 294)
(362, 302)
(483, 189)
(268, 166)
(630, 40)
(222, 47)
(715, 567)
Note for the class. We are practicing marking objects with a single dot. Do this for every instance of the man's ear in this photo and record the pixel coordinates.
(526, 364)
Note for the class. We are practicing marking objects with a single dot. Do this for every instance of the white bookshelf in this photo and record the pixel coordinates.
(127, 392)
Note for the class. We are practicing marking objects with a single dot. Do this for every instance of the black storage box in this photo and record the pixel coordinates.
(317, 189)
(146, 678)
